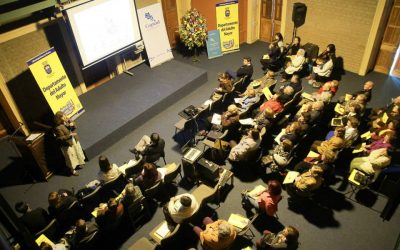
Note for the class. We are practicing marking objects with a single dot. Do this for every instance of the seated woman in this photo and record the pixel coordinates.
(278, 39)
(264, 200)
(307, 182)
(247, 99)
(149, 176)
(247, 144)
(294, 65)
(304, 121)
(373, 163)
(334, 144)
(59, 202)
(217, 234)
(391, 126)
(334, 84)
(276, 103)
(265, 81)
(271, 57)
(360, 100)
(285, 239)
(130, 195)
(109, 215)
(282, 154)
(264, 119)
(294, 47)
(108, 172)
(225, 86)
(292, 132)
(385, 141)
(325, 95)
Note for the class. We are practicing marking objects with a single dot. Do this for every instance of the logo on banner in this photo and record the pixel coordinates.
(151, 18)
(227, 12)
(47, 68)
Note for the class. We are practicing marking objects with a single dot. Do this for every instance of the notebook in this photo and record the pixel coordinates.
(290, 177)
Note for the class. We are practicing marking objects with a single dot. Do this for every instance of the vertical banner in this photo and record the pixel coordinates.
(213, 44)
(228, 25)
(54, 83)
(154, 34)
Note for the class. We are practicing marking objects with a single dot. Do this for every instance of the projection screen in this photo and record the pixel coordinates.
(103, 28)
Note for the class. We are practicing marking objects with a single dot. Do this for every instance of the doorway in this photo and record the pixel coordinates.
(270, 19)
(171, 20)
(390, 44)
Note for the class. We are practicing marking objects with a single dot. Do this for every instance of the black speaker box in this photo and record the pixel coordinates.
(299, 14)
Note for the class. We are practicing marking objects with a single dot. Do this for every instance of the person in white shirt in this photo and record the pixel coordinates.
(107, 171)
(179, 208)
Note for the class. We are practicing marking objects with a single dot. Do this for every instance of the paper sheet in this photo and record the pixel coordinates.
(339, 109)
(267, 93)
(216, 119)
(32, 136)
(348, 97)
(385, 118)
(290, 177)
(238, 221)
(307, 96)
(247, 121)
(366, 135)
(257, 191)
(237, 100)
(278, 137)
(313, 154)
(163, 230)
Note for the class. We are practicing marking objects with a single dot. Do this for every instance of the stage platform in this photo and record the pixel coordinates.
(124, 103)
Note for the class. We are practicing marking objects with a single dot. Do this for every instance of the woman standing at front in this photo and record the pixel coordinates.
(70, 146)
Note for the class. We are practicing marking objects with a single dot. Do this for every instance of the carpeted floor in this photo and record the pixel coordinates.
(333, 222)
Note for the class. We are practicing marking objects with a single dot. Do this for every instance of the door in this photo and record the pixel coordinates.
(171, 20)
(390, 43)
(242, 21)
(270, 23)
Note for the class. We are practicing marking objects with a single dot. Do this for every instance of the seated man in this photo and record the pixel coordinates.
(152, 148)
(246, 69)
(217, 235)
(367, 91)
(84, 231)
(179, 208)
(247, 144)
(34, 220)
(285, 239)
(276, 103)
(295, 83)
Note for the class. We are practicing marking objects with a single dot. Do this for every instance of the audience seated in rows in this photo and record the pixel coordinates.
(217, 234)
(265, 201)
(287, 239)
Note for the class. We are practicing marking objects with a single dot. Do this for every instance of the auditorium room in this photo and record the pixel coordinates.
(199, 124)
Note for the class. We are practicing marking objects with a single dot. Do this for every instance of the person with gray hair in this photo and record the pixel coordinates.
(131, 194)
(217, 235)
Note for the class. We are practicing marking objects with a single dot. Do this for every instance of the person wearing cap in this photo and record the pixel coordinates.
(217, 234)
(179, 208)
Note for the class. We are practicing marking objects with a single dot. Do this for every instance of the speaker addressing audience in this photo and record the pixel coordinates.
(151, 148)
(65, 131)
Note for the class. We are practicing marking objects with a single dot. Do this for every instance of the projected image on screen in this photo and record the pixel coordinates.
(103, 27)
